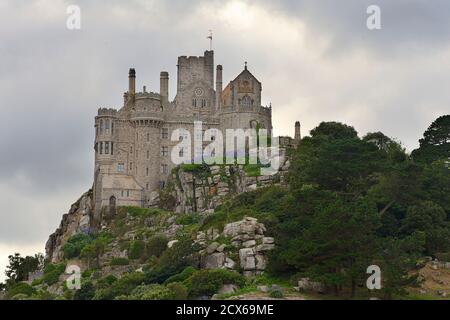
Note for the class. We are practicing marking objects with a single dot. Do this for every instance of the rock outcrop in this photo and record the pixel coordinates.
(245, 248)
(203, 190)
(77, 220)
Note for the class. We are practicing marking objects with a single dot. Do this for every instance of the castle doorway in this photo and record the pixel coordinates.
(112, 206)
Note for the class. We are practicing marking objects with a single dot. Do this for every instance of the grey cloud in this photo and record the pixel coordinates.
(53, 80)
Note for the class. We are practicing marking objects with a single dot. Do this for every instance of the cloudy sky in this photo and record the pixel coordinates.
(317, 61)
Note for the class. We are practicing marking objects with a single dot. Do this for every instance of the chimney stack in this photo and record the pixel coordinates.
(164, 87)
(218, 87)
(132, 82)
(297, 136)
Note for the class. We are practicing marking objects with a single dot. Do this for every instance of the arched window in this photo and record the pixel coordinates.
(246, 102)
(107, 124)
(101, 126)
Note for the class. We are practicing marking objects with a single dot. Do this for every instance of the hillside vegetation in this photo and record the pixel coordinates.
(350, 203)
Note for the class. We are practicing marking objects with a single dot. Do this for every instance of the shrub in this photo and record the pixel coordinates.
(119, 262)
(123, 286)
(180, 277)
(36, 282)
(87, 273)
(208, 282)
(52, 273)
(173, 260)
(21, 288)
(136, 249)
(189, 218)
(179, 290)
(152, 292)
(106, 282)
(276, 293)
(72, 248)
(156, 246)
(86, 292)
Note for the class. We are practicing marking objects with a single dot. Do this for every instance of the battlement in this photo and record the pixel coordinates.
(266, 111)
(107, 112)
(148, 95)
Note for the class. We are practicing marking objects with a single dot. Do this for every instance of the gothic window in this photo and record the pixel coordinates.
(120, 168)
(112, 148)
(146, 172)
(106, 147)
(181, 152)
(148, 137)
(101, 147)
(148, 154)
(194, 103)
(246, 102)
(164, 151)
(131, 149)
(122, 193)
(128, 193)
(131, 165)
(162, 184)
(203, 103)
(164, 133)
(112, 127)
(146, 186)
(101, 126)
(164, 168)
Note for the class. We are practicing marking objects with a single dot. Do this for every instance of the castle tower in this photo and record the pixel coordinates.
(218, 87)
(297, 135)
(164, 87)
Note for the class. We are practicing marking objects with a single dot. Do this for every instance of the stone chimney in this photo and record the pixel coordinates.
(218, 87)
(298, 135)
(164, 86)
(132, 82)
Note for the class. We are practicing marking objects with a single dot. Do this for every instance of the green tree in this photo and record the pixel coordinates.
(431, 219)
(435, 144)
(334, 130)
(19, 267)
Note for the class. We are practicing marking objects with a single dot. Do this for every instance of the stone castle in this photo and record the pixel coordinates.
(133, 144)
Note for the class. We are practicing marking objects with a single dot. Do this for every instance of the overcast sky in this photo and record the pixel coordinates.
(316, 59)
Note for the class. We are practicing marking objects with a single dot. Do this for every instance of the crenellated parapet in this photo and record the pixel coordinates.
(107, 112)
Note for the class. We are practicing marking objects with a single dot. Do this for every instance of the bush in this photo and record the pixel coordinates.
(86, 292)
(52, 273)
(20, 288)
(445, 257)
(180, 277)
(36, 282)
(87, 273)
(123, 286)
(208, 282)
(136, 249)
(119, 262)
(106, 282)
(173, 260)
(179, 290)
(156, 246)
(276, 293)
(72, 248)
(152, 292)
